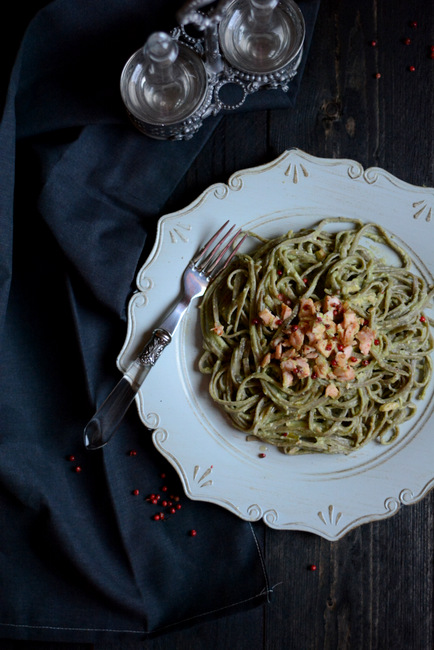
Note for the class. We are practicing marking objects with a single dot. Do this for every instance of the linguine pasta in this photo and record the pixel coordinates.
(315, 344)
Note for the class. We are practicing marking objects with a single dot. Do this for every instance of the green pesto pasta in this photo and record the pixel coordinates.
(314, 344)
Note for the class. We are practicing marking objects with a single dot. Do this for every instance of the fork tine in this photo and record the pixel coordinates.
(215, 262)
(207, 261)
(209, 243)
(232, 254)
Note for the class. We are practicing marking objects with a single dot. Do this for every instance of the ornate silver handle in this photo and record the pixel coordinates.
(154, 347)
(208, 24)
(189, 13)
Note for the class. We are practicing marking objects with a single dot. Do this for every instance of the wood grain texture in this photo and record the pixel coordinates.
(373, 589)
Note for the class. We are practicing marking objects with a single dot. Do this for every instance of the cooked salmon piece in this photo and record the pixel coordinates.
(302, 367)
(343, 356)
(325, 346)
(268, 318)
(288, 365)
(285, 311)
(332, 391)
(218, 329)
(307, 309)
(321, 367)
(315, 332)
(331, 302)
(278, 351)
(344, 374)
(287, 379)
(365, 337)
(309, 352)
(296, 339)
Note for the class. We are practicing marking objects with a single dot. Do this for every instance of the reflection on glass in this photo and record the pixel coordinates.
(261, 36)
(164, 82)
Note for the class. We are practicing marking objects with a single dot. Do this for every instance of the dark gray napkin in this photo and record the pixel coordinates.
(82, 557)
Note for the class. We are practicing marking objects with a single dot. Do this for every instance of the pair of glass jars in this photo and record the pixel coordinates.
(176, 80)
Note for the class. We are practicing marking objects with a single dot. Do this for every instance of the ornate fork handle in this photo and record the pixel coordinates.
(154, 347)
(204, 267)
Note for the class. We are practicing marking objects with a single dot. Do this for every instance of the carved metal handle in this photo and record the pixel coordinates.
(154, 347)
(189, 13)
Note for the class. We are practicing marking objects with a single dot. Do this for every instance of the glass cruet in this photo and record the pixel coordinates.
(261, 36)
(162, 85)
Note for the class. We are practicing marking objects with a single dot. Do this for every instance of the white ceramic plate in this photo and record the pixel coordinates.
(326, 495)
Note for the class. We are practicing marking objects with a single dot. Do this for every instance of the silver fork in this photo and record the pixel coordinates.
(200, 271)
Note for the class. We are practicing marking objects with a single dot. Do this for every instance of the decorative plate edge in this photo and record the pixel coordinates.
(330, 516)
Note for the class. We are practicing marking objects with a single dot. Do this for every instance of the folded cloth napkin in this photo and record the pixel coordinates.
(82, 557)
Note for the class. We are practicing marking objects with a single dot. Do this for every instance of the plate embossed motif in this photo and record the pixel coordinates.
(327, 495)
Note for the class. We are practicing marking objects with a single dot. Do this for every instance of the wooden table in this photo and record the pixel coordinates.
(360, 99)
